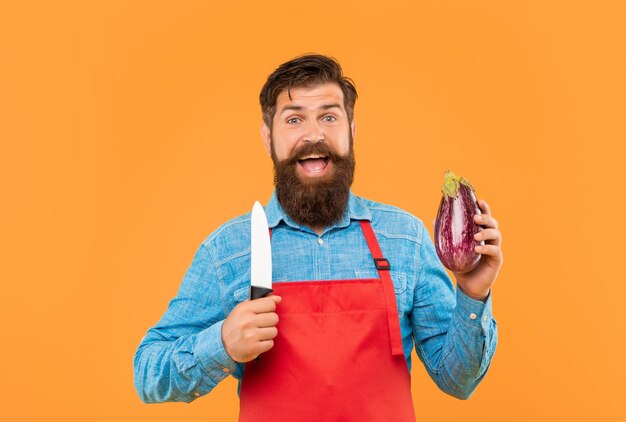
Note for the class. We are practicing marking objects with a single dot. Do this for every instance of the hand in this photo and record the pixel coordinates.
(477, 283)
(250, 328)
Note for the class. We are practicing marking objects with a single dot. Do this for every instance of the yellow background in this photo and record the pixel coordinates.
(129, 131)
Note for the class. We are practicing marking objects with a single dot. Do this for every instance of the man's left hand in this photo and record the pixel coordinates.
(477, 283)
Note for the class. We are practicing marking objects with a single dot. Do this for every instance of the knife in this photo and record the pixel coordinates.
(261, 254)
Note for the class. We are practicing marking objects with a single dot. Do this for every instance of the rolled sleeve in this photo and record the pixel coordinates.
(211, 355)
(472, 313)
(475, 318)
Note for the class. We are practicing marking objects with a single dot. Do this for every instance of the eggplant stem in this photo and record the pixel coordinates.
(452, 183)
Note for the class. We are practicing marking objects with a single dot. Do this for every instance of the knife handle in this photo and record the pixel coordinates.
(257, 292)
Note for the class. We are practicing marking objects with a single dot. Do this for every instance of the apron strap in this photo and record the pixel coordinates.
(383, 267)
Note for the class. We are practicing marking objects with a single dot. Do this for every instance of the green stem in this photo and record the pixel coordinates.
(452, 183)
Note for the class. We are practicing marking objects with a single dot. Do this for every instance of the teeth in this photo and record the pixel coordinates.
(313, 156)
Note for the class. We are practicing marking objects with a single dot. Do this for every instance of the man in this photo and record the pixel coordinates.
(356, 285)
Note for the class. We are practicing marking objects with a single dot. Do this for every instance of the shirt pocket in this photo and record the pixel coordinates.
(399, 286)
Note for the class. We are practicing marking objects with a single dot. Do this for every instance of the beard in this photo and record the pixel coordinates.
(314, 201)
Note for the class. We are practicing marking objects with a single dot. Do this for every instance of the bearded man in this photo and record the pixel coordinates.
(357, 284)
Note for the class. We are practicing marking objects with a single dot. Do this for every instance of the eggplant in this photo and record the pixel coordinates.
(455, 226)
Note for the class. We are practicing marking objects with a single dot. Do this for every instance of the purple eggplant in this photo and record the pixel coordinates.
(455, 226)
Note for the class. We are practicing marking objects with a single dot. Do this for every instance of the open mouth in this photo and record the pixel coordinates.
(314, 164)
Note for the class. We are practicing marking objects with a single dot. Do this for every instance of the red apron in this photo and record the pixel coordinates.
(338, 355)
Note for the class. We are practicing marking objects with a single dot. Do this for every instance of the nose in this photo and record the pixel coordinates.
(313, 132)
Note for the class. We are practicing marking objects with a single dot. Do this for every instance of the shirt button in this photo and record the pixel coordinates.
(320, 240)
(485, 318)
(472, 316)
(225, 369)
(196, 394)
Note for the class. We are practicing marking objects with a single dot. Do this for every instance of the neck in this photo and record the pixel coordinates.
(317, 229)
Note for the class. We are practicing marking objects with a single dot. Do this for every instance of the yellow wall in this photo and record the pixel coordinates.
(129, 132)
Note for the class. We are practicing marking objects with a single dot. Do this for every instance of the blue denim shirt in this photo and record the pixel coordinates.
(182, 357)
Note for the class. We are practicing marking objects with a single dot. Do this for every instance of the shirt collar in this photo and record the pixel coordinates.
(356, 210)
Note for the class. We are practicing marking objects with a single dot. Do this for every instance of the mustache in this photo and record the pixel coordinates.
(318, 148)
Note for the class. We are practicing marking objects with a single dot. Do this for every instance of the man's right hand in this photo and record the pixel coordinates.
(250, 328)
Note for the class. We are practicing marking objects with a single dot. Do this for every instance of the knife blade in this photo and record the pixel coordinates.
(261, 254)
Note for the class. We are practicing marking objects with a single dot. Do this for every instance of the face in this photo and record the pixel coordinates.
(311, 146)
(312, 115)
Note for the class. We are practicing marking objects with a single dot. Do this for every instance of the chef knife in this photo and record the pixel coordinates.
(261, 255)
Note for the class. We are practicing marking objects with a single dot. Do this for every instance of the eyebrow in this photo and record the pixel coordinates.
(298, 108)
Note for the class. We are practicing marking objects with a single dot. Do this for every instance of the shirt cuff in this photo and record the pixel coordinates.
(210, 353)
(473, 313)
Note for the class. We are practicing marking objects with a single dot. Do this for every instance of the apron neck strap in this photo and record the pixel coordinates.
(383, 267)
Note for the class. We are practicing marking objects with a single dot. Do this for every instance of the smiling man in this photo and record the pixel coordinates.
(357, 285)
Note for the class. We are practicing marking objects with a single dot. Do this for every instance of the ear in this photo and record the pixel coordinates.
(266, 138)
(353, 128)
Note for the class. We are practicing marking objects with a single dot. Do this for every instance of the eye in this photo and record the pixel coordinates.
(293, 120)
(329, 118)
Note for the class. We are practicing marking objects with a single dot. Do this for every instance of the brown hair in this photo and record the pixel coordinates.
(305, 71)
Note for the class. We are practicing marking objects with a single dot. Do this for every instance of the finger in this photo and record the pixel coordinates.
(484, 207)
(491, 250)
(263, 346)
(491, 236)
(269, 319)
(264, 304)
(274, 297)
(486, 220)
(267, 333)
